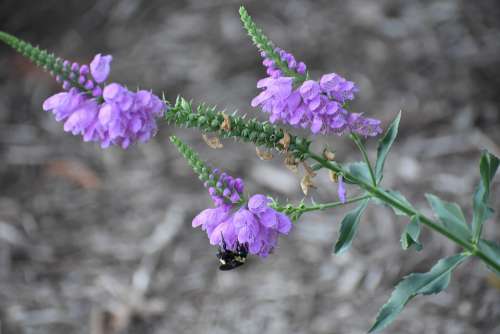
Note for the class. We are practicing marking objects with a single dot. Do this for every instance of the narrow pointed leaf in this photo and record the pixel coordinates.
(384, 146)
(402, 199)
(434, 281)
(348, 228)
(410, 234)
(451, 216)
(488, 166)
(492, 250)
(359, 170)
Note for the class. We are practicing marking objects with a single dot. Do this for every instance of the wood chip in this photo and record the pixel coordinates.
(263, 155)
(213, 142)
(74, 171)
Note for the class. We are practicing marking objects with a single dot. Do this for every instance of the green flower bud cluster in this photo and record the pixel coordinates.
(41, 58)
(208, 119)
(198, 165)
(264, 44)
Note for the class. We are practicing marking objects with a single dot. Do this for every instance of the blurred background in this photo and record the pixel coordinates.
(100, 241)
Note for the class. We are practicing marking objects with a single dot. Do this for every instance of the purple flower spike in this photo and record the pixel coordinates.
(100, 67)
(318, 106)
(254, 225)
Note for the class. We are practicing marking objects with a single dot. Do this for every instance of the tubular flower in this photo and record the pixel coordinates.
(253, 224)
(318, 106)
(109, 114)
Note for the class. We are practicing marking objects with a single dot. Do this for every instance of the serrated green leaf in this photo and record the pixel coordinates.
(488, 166)
(359, 170)
(410, 234)
(451, 216)
(384, 146)
(434, 281)
(348, 228)
(492, 250)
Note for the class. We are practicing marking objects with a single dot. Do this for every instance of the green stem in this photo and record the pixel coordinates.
(362, 149)
(324, 206)
(392, 201)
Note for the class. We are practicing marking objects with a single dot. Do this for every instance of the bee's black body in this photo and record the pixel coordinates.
(229, 259)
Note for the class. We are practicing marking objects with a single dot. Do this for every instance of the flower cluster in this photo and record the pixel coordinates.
(109, 114)
(227, 189)
(255, 224)
(318, 106)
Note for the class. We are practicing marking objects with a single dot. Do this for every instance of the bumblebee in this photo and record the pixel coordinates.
(229, 259)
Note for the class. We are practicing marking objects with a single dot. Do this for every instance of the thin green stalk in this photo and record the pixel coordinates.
(391, 200)
(362, 149)
(324, 206)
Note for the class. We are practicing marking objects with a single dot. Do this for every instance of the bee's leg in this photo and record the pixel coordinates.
(223, 242)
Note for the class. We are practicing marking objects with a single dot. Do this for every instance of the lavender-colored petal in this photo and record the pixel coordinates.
(112, 92)
(269, 218)
(284, 223)
(258, 203)
(100, 67)
(341, 189)
(55, 101)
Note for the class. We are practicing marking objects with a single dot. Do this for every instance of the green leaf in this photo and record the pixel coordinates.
(348, 228)
(451, 216)
(434, 281)
(488, 166)
(359, 170)
(384, 146)
(402, 199)
(410, 234)
(399, 197)
(492, 250)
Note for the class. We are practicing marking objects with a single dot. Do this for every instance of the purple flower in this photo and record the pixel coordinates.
(341, 189)
(310, 91)
(276, 89)
(258, 203)
(337, 87)
(226, 230)
(247, 225)
(255, 225)
(318, 106)
(367, 127)
(209, 219)
(100, 67)
(121, 117)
